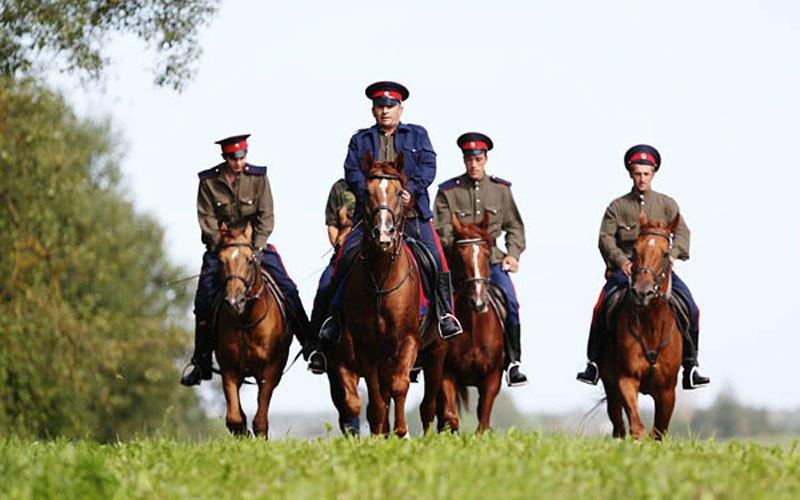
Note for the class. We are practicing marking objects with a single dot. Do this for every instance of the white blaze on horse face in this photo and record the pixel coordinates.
(385, 215)
(235, 254)
(651, 242)
(476, 270)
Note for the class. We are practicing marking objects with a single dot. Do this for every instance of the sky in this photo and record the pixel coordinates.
(563, 89)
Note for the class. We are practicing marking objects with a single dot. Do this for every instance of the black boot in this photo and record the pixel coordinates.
(692, 377)
(513, 348)
(200, 367)
(448, 324)
(591, 374)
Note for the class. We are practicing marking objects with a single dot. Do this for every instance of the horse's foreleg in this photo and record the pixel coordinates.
(614, 409)
(234, 416)
(629, 390)
(269, 379)
(407, 354)
(449, 411)
(487, 393)
(378, 404)
(665, 404)
(433, 384)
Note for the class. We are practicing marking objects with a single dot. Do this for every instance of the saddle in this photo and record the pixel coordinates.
(616, 297)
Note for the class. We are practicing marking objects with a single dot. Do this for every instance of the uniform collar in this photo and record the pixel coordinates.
(401, 127)
(472, 183)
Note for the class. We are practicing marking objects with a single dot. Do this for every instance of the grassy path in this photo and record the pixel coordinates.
(502, 465)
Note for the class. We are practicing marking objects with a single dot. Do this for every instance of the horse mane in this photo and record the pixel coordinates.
(469, 231)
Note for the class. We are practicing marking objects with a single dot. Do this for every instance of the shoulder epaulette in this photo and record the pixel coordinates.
(211, 172)
(450, 184)
(498, 180)
(254, 170)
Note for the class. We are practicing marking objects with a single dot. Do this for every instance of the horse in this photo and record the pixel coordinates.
(380, 319)
(474, 358)
(645, 348)
(252, 337)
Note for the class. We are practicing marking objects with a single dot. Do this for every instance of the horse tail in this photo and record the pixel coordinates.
(462, 398)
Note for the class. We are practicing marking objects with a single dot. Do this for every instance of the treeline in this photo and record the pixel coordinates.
(90, 329)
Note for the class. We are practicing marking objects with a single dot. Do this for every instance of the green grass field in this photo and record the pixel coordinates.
(504, 465)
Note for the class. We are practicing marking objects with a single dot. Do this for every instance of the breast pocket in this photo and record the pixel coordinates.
(628, 234)
(495, 214)
(247, 207)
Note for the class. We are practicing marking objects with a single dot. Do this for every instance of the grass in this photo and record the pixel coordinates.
(504, 465)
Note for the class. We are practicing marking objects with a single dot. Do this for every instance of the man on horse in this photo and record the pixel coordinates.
(235, 192)
(385, 141)
(470, 196)
(618, 233)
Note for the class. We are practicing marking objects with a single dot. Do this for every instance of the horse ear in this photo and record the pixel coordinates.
(400, 162)
(248, 231)
(366, 166)
(642, 219)
(458, 227)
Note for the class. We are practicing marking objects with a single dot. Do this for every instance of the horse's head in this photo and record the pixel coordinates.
(652, 268)
(474, 246)
(239, 266)
(384, 209)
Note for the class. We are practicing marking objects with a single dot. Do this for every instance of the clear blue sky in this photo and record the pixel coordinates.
(563, 88)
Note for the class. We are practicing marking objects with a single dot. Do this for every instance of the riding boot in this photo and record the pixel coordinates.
(200, 365)
(513, 348)
(591, 374)
(448, 324)
(692, 377)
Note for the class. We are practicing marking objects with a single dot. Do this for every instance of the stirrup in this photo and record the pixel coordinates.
(509, 382)
(692, 375)
(586, 379)
(449, 335)
(317, 370)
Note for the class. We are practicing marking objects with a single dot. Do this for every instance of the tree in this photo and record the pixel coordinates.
(75, 31)
(89, 328)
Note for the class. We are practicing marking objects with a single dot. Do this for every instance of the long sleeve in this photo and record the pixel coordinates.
(609, 249)
(207, 218)
(422, 177)
(681, 237)
(442, 214)
(353, 173)
(264, 221)
(513, 227)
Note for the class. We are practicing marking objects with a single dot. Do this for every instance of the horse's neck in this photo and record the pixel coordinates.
(646, 319)
(386, 266)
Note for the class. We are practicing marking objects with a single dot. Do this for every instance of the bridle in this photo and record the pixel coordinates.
(664, 270)
(474, 241)
(254, 287)
(396, 213)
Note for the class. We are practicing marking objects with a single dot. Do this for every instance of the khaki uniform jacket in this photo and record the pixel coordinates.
(620, 226)
(469, 200)
(249, 198)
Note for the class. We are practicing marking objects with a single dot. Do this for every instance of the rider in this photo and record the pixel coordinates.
(618, 233)
(385, 140)
(469, 196)
(234, 192)
(339, 210)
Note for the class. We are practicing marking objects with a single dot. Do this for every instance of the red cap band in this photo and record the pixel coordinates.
(642, 157)
(234, 147)
(387, 93)
(474, 145)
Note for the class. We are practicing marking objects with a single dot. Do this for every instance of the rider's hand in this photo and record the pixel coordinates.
(627, 268)
(406, 197)
(510, 264)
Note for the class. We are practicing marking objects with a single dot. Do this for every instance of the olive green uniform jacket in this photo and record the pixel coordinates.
(248, 198)
(620, 226)
(470, 200)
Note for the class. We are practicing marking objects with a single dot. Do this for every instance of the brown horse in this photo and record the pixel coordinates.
(380, 321)
(644, 352)
(252, 338)
(476, 357)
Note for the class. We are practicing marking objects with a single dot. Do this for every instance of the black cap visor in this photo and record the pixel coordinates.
(236, 154)
(385, 101)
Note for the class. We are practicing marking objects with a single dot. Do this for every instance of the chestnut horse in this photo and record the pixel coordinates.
(380, 318)
(252, 338)
(476, 357)
(644, 352)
